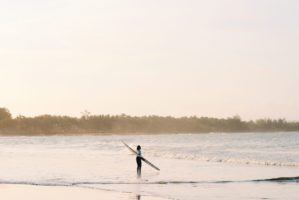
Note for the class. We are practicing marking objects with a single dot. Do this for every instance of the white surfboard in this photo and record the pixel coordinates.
(145, 160)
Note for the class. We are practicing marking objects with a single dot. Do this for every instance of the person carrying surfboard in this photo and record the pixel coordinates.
(138, 160)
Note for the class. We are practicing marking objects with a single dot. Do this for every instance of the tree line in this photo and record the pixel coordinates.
(118, 124)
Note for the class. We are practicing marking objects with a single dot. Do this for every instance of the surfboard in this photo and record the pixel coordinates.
(145, 160)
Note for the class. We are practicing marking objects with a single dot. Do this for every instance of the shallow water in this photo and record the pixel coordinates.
(193, 166)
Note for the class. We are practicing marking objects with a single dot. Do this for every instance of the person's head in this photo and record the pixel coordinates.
(138, 147)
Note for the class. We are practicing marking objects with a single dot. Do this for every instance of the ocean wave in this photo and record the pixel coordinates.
(34, 183)
(254, 162)
(229, 160)
(294, 179)
(280, 179)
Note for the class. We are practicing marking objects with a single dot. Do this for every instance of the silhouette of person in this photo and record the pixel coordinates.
(138, 160)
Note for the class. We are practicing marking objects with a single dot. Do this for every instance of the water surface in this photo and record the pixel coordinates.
(193, 166)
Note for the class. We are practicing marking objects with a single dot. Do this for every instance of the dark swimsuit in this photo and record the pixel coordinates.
(139, 163)
(138, 160)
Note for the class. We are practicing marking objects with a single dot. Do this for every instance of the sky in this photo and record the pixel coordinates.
(216, 58)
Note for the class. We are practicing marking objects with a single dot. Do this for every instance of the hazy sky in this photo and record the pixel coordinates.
(212, 58)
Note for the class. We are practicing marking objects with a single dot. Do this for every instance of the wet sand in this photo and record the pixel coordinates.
(29, 192)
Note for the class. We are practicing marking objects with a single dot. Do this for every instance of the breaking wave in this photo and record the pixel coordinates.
(274, 180)
(229, 160)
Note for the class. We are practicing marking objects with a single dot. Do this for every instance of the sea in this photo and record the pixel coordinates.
(226, 166)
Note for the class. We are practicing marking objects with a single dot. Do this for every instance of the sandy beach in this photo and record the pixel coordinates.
(20, 192)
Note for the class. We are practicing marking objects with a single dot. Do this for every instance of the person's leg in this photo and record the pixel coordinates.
(138, 166)
(138, 171)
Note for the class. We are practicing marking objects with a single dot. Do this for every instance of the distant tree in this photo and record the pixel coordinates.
(87, 123)
(6, 121)
(85, 114)
(5, 114)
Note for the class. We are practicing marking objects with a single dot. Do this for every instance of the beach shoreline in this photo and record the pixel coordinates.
(37, 192)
